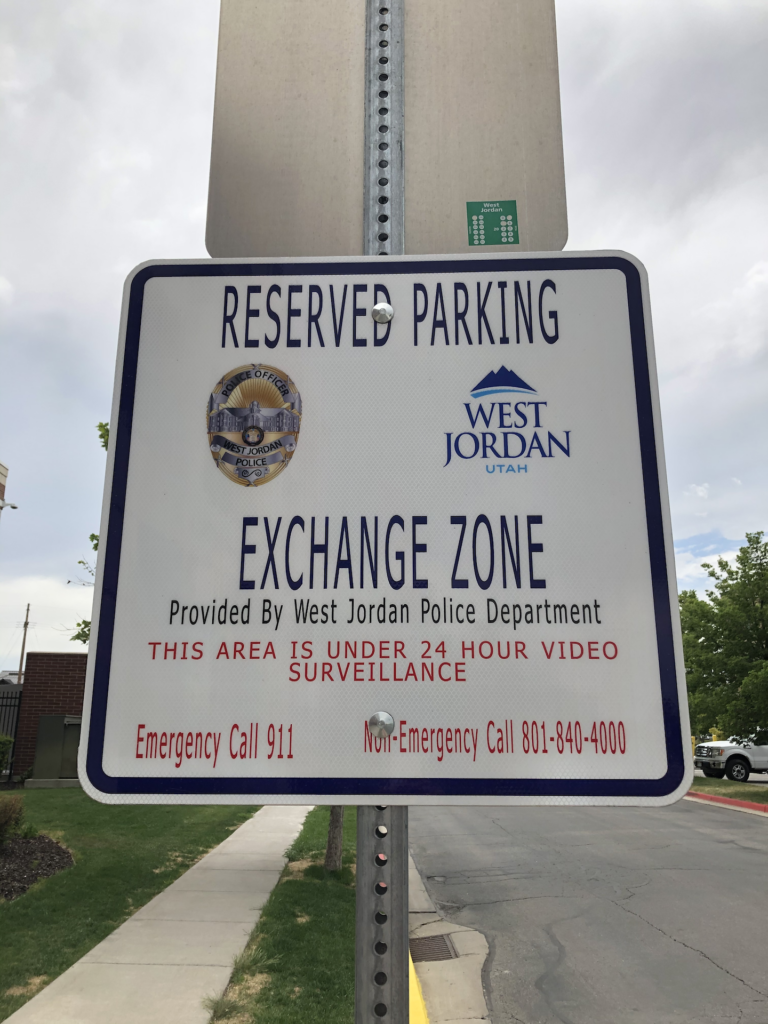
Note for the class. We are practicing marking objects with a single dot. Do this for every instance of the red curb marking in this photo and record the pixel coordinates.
(728, 801)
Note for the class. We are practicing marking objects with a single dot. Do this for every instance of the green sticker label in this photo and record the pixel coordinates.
(493, 223)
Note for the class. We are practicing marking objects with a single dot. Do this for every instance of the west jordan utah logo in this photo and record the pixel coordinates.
(253, 419)
(506, 421)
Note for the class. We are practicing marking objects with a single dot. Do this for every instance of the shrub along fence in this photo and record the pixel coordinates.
(10, 706)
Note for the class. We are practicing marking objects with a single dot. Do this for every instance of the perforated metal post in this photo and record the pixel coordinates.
(384, 206)
(381, 958)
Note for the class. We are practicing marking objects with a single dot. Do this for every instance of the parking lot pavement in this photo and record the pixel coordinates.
(607, 915)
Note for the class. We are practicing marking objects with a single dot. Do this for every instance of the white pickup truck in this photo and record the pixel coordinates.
(720, 758)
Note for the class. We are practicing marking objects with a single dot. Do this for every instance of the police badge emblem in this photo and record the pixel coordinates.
(253, 420)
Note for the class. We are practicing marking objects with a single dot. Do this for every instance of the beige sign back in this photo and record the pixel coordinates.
(482, 125)
(287, 152)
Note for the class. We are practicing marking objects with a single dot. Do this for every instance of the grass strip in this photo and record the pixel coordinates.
(124, 855)
(310, 842)
(753, 792)
(299, 964)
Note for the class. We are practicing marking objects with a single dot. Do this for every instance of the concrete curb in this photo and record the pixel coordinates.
(452, 989)
(417, 1008)
(159, 966)
(726, 801)
(52, 784)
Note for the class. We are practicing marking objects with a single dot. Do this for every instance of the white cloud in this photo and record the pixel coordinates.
(664, 158)
(691, 575)
(698, 490)
(6, 291)
(738, 322)
(55, 608)
(105, 116)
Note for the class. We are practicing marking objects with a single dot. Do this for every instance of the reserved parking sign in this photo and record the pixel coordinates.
(428, 488)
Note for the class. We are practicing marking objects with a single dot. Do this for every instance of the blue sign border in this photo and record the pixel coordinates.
(422, 787)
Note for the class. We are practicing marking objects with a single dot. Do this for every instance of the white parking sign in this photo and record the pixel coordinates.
(452, 515)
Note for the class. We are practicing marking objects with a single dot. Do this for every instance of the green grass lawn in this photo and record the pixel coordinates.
(756, 794)
(124, 855)
(299, 965)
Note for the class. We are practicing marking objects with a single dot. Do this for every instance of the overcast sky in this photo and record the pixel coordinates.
(105, 120)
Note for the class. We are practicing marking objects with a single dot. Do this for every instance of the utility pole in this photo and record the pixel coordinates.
(23, 646)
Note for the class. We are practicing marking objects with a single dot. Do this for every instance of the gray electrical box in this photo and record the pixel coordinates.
(58, 738)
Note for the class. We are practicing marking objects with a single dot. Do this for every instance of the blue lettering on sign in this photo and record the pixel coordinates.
(500, 429)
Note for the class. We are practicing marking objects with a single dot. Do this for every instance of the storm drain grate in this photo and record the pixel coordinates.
(432, 947)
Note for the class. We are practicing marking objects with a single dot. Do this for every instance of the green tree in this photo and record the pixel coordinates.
(725, 640)
(83, 633)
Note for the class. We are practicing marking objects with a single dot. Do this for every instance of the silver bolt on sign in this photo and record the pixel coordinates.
(381, 724)
(382, 312)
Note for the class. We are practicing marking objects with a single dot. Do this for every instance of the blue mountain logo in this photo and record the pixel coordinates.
(501, 382)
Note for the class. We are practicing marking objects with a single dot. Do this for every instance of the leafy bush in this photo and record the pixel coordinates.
(11, 816)
(6, 742)
(83, 633)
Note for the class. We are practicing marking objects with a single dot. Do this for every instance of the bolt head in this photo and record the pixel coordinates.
(382, 312)
(381, 724)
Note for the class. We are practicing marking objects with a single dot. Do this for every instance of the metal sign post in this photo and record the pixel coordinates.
(384, 188)
(381, 918)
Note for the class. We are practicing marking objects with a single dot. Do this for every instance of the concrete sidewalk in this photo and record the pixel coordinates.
(158, 966)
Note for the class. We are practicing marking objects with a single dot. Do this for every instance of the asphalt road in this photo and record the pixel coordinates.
(607, 915)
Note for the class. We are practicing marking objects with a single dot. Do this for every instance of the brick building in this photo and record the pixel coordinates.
(54, 684)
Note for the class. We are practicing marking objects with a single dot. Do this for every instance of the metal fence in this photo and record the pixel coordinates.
(10, 706)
